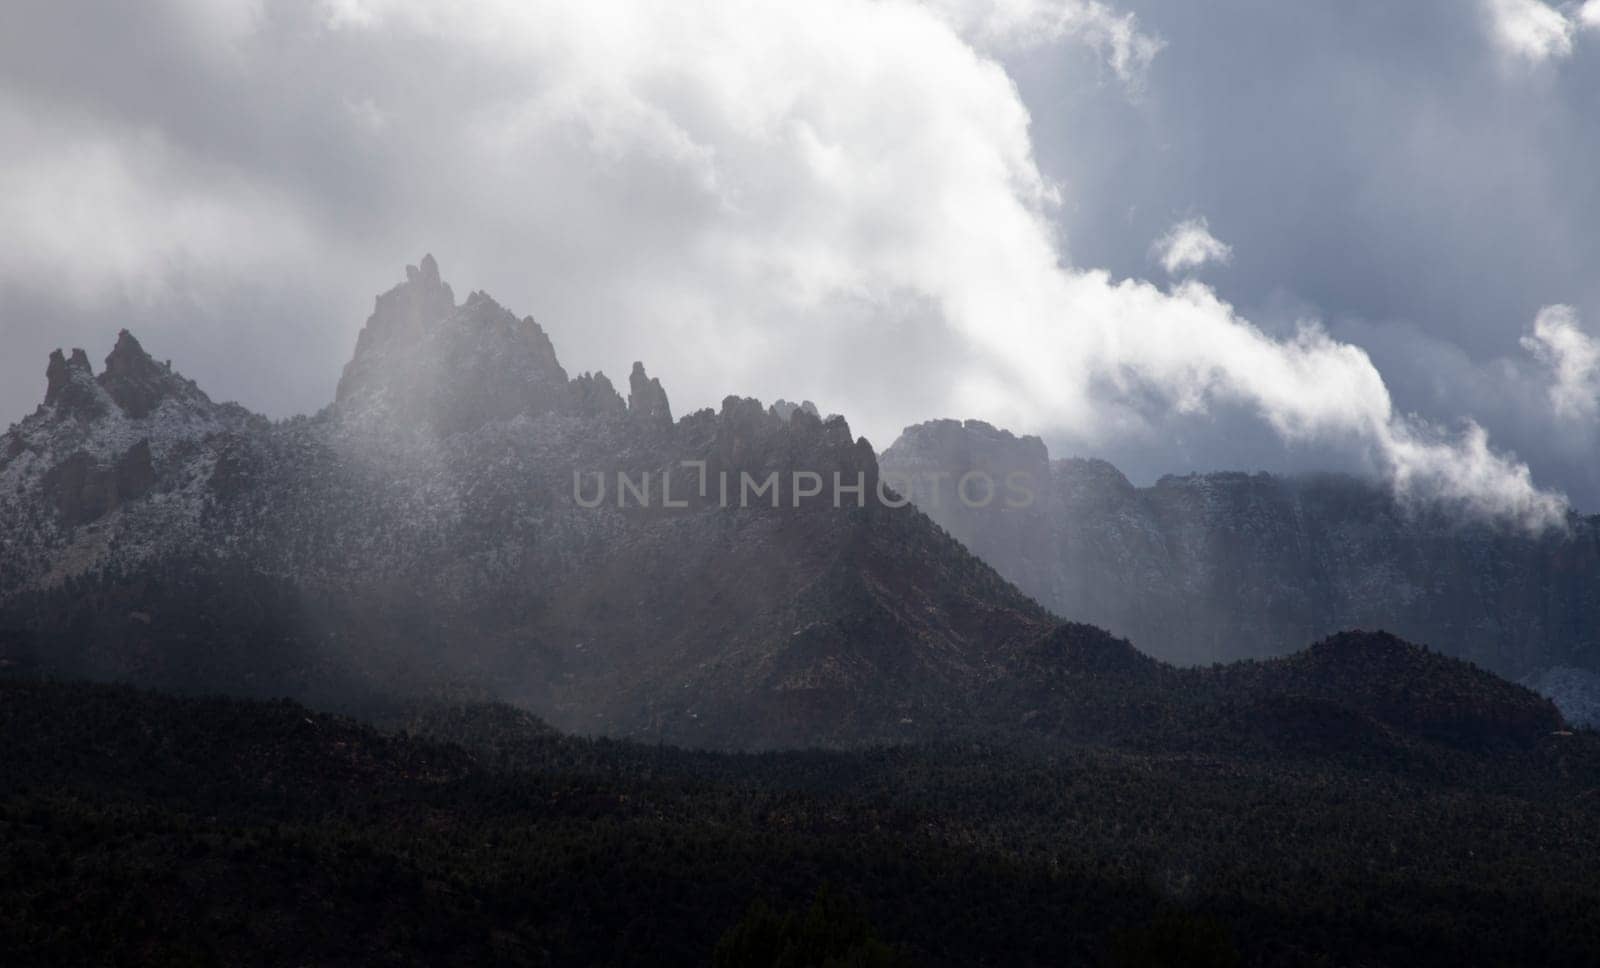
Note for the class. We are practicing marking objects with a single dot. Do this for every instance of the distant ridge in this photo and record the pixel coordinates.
(1215, 567)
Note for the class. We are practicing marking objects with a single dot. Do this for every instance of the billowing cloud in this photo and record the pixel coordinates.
(866, 152)
(1529, 29)
(1190, 245)
(1573, 359)
(1589, 15)
(837, 200)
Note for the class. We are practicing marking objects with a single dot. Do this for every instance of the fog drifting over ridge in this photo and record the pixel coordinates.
(841, 200)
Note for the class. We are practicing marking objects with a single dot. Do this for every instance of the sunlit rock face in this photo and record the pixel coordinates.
(1216, 567)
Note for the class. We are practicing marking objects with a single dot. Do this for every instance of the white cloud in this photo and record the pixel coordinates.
(1529, 29)
(1589, 15)
(1189, 245)
(836, 199)
(1573, 358)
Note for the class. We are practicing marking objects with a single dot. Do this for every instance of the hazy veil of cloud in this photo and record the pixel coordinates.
(1573, 359)
(768, 198)
(1190, 245)
(1011, 23)
(109, 214)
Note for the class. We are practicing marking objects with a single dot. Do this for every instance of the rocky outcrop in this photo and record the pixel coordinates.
(399, 317)
(71, 389)
(139, 384)
(647, 402)
(99, 445)
(593, 395)
(423, 364)
(785, 409)
(83, 489)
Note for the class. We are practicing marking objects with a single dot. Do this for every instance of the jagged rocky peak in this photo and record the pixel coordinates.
(785, 409)
(132, 382)
(419, 302)
(750, 435)
(647, 401)
(70, 386)
(422, 362)
(399, 317)
(138, 383)
(593, 395)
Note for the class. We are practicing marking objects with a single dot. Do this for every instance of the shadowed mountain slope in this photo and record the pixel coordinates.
(1216, 567)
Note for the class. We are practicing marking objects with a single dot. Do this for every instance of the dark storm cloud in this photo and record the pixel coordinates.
(1383, 166)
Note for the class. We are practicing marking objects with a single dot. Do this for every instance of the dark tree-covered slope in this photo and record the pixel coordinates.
(142, 828)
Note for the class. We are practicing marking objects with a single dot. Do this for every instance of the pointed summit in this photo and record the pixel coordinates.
(426, 273)
(424, 363)
(399, 319)
(647, 401)
(138, 383)
(128, 355)
(71, 388)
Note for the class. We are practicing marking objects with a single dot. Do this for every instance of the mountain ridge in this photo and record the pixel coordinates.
(425, 532)
(1218, 567)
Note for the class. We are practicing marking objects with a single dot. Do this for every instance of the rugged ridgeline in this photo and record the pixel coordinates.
(1217, 567)
(423, 534)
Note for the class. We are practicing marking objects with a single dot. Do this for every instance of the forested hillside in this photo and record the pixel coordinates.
(234, 832)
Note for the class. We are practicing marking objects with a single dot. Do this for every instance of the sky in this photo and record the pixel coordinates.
(1331, 234)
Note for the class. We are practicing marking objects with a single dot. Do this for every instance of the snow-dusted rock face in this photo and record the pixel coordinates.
(110, 470)
(425, 533)
(1216, 567)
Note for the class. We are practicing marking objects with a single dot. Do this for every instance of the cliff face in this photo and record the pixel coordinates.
(1215, 567)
